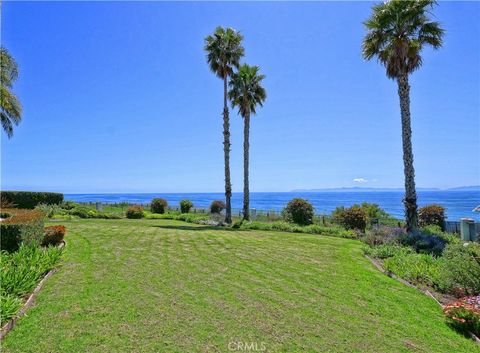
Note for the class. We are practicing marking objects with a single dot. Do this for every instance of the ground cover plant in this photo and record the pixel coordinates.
(20, 272)
(163, 285)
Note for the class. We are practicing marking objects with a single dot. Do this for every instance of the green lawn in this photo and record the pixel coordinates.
(168, 286)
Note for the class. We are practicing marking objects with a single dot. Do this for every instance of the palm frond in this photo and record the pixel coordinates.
(397, 32)
(246, 91)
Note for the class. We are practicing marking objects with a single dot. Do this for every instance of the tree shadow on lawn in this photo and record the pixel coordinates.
(197, 228)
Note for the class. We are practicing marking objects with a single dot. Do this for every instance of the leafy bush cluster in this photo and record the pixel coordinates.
(186, 217)
(384, 251)
(464, 314)
(22, 226)
(217, 206)
(87, 212)
(53, 235)
(71, 209)
(19, 274)
(437, 260)
(135, 212)
(416, 268)
(158, 205)
(461, 268)
(185, 206)
(353, 217)
(431, 215)
(362, 216)
(30, 199)
(289, 227)
(299, 211)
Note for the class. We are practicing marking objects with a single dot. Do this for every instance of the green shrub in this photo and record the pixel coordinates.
(416, 268)
(299, 211)
(48, 210)
(83, 212)
(293, 228)
(431, 215)
(351, 218)
(9, 306)
(186, 217)
(86, 212)
(30, 199)
(375, 212)
(68, 205)
(20, 272)
(185, 206)
(135, 212)
(24, 226)
(158, 205)
(436, 230)
(461, 268)
(384, 251)
(217, 206)
(53, 235)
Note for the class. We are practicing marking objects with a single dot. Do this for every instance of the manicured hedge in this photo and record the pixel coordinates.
(30, 199)
(22, 226)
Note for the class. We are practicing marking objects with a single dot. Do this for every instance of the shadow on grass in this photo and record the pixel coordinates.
(195, 228)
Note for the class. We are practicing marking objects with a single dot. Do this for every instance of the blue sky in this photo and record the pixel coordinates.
(118, 97)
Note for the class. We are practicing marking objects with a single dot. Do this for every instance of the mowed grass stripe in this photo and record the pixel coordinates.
(168, 286)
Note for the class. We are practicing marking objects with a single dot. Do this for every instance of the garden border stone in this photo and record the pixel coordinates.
(426, 292)
(30, 301)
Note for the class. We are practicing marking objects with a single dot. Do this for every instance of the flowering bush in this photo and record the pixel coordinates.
(465, 314)
(382, 235)
(135, 212)
(53, 235)
(217, 206)
(431, 215)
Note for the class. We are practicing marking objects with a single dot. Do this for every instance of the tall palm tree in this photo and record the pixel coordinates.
(224, 50)
(10, 108)
(246, 92)
(397, 32)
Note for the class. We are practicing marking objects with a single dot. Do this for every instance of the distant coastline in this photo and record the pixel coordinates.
(372, 189)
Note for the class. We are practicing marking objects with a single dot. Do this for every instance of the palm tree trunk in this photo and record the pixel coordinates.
(226, 152)
(410, 199)
(246, 147)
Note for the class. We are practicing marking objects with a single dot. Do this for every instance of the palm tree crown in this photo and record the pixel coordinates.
(246, 89)
(224, 50)
(10, 108)
(397, 32)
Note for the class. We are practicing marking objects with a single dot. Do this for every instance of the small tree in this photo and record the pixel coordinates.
(185, 206)
(158, 205)
(299, 211)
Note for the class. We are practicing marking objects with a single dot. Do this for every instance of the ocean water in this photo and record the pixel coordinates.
(458, 204)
